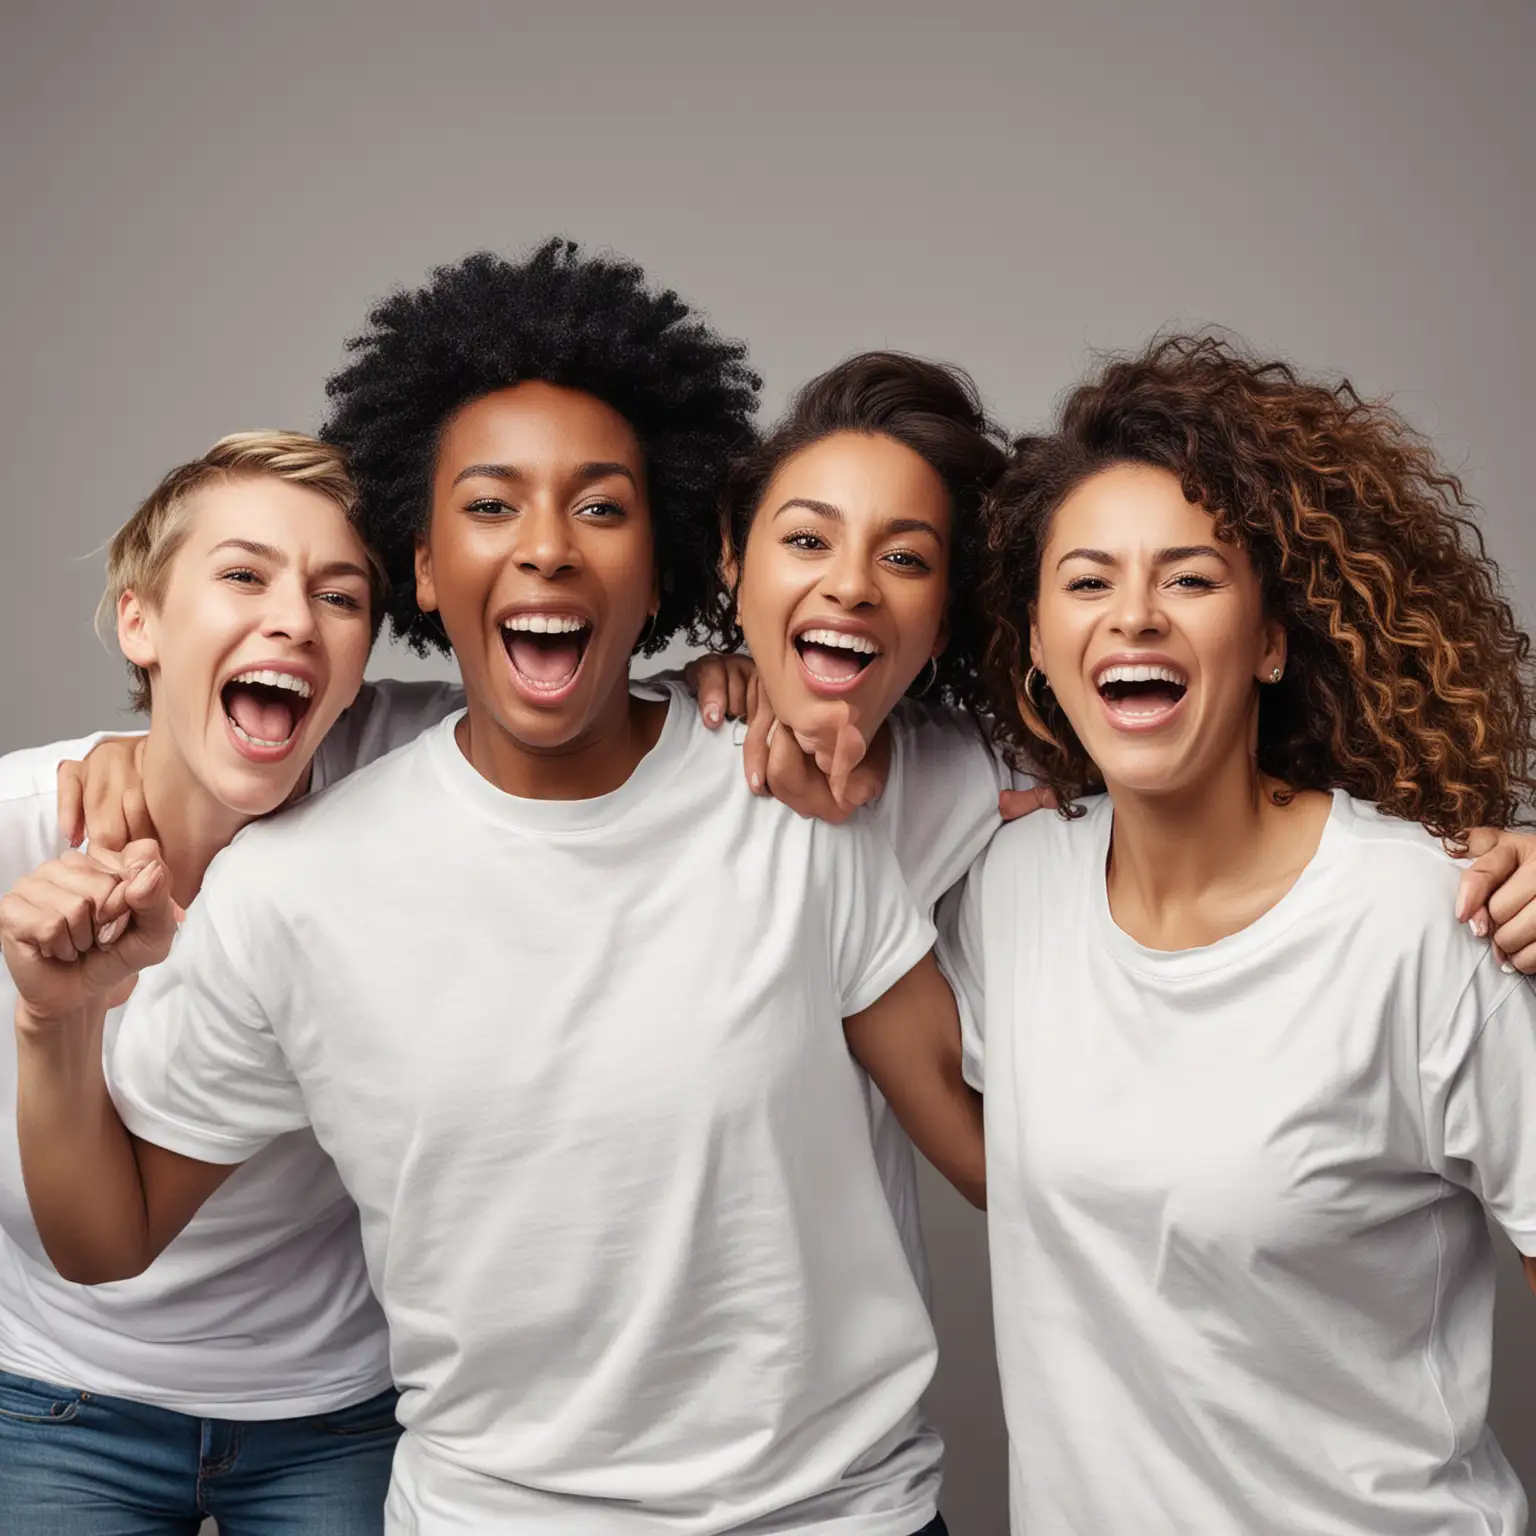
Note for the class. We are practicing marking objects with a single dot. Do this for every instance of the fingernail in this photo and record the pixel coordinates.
(712, 714)
(109, 931)
(1508, 968)
(143, 879)
(756, 782)
(1480, 926)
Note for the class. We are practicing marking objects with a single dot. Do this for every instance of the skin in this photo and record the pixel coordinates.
(290, 592)
(1133, 573)
(539, 503)
(1200, 849)
(270, 574)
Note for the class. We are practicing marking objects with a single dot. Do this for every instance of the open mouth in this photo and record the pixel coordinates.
(834, 658)
(265, 709)
(1141, 694)
(546, 651)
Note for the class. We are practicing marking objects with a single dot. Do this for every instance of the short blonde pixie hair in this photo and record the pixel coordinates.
(139, 557)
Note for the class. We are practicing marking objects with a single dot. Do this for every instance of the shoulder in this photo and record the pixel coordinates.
(932, 743)
(1049, 838)
(384, 716)
(29, 814)
(351, 818)
(1404, 871)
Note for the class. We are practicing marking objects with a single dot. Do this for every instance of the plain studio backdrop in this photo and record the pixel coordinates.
(199, 201)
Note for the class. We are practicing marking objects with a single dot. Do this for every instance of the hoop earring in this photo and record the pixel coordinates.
(1028, 689)
(647, 633)
(931, 667)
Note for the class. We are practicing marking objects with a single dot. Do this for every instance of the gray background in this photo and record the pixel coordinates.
(198, 200)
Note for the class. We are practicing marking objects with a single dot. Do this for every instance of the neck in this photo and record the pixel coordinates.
(190, 825)
(594, 763)
(1168, 850)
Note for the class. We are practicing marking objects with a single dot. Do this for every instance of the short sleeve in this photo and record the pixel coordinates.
(939, 809)
(959, 956)
(195, 1066)
(385, 715)
(1482, 1124)
(877, 932)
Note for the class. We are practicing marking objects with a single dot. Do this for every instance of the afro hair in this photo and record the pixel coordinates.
(560, 316)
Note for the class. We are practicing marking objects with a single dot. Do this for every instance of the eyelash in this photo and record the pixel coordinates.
(330, 599)
(1098, 584)
(493, 506)
(815, 541)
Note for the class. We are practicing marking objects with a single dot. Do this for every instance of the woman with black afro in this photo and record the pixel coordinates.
(563, 1000)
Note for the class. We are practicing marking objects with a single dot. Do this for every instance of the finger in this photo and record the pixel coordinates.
(71, 896)
(106, 820)
(712, 688)
(1523, 960)
(136, 814)
(864, 785)
(1482, 878)
(755, 749)
(1014, 803)
(1481, 840)
(1517, 935)
(29, 933)
(738, 675)
(147, 939)
(72, 802)
(1514, 895)
(847, 754)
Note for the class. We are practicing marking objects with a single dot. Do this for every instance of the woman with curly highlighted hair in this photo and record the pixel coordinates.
(1251, 1091)
(562, 999)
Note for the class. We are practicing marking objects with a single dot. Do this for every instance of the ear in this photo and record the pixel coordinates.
(135, 631)
(1274, 651)
(1034, 638)
(730, 566)
(426, 587)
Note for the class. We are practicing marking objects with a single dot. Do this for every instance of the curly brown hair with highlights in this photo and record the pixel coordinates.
(1407, 681)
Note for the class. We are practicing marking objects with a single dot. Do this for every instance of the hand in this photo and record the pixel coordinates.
(821, 770)
(1497, 895)
(76, 932)
(720, 683)
(102, 797)
(1014, 803)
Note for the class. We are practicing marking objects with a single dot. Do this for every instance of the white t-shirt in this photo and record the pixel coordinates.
(581, 1065)
(259, 1310)
(939, 811)
(1242, 1275)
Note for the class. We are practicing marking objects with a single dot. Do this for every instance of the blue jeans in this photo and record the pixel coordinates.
(76, 1464)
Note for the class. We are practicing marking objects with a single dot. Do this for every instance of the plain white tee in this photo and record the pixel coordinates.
(581, 1065)
(259, 1310)
(1242, 1275)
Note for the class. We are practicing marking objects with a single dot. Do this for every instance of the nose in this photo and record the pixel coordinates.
(289, 613)
(848, 579)
(1138, 612)
(544, 546)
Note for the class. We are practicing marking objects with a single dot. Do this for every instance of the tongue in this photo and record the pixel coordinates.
(1144, 698)
(836, 666)
(551, 660)
(260, 715)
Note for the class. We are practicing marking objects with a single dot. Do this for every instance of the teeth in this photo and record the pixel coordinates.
(1152, 674)
(837, 640)
(546, 623)
(256, 741)
(272, 679)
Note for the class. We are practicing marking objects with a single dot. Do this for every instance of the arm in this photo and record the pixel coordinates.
(73, 935)
(909, 1043)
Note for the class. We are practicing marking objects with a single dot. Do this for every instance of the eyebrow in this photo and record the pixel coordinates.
(1168, 556)
(277, 557)
(834, 514)
(599, 469)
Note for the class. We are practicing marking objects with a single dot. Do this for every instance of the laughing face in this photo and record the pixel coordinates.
(1151, 633)
(845, 578)
(258, 641)
(538, 560)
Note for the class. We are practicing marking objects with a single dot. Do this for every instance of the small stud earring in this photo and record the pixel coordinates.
(1275, 675)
